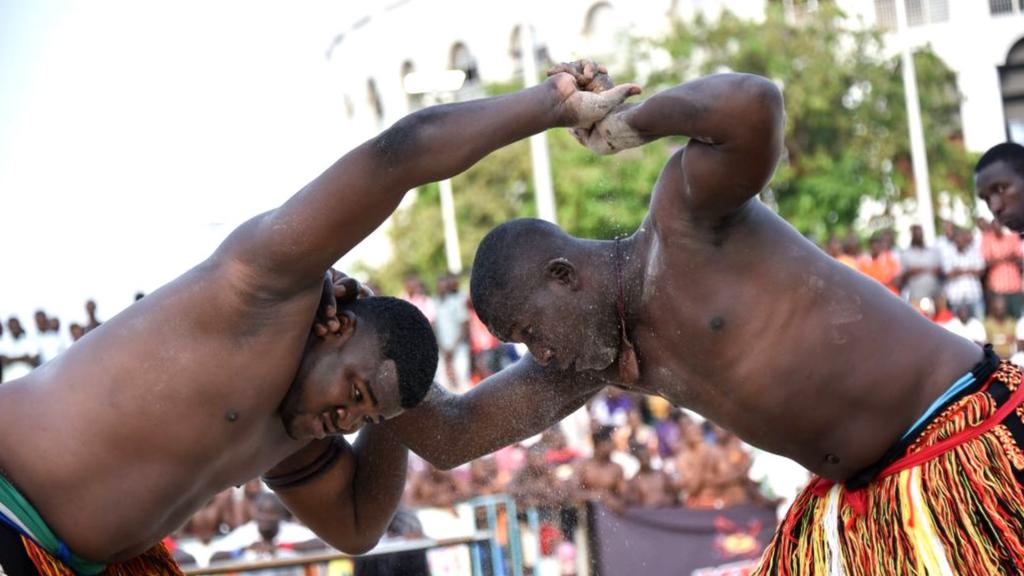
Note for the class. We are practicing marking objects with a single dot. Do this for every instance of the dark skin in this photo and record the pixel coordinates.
(601, 479)
(215, 378)
(649, 488)
(729, 310)
(1002, 188)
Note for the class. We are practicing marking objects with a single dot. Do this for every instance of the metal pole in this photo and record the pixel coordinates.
(451, 233)
(542, 186)
(918, 155)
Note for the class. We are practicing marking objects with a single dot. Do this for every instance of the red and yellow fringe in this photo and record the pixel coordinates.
(156, 562)
(961, 512)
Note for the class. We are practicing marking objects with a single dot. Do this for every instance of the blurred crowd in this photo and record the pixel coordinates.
(623, 450)
(968, 281)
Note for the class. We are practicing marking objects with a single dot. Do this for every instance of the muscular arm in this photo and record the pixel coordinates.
(735, 123)
(351, 504)
(288, 249)
(525, 399)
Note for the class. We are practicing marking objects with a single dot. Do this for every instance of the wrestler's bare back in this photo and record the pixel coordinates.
(750, 324)
(121, 438)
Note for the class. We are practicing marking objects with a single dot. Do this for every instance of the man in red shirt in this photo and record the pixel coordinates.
(1003, 257)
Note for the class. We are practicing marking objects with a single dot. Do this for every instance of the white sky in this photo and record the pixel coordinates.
(135, 135)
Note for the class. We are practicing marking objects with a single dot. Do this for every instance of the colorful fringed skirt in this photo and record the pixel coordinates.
(950, 503)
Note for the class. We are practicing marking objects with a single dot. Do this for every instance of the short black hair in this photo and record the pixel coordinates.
(603, 434)
(1009, 152)
(497, 258)
(405, 337)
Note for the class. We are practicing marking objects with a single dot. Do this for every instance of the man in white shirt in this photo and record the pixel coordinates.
(20, 350)
(963, 267)
(48, 340)
(967, 325)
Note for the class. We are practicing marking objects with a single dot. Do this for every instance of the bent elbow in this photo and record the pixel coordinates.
(357, 546)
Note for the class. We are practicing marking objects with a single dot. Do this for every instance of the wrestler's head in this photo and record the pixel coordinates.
(381, 362)
(999, 181)
(535, 284)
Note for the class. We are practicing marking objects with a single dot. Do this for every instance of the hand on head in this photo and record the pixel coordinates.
(338, 289)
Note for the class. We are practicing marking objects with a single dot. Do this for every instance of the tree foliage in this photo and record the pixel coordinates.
(846, 129)
(846, 139)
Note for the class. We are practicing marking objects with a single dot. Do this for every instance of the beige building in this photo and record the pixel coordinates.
(982, 40)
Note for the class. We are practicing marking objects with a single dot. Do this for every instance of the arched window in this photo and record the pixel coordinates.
(461, 59)
(414, 101)
(599, 21)
(602, 28)
(1011, 78)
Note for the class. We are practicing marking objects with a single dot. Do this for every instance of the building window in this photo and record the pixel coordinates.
(997, 7)
(919, 12)
(461, 59)
(413, 101)
(885, 14)
(1011, 80)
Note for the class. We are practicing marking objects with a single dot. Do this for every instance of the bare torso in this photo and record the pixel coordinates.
(121, 438)
(752, 325)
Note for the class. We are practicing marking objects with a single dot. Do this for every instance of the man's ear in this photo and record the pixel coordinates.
(562, 271)
(348, 325)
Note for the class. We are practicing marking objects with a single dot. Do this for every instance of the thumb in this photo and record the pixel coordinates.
(617, 95)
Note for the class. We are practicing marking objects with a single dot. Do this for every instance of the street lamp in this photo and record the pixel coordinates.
(918, 155)
(440, 86)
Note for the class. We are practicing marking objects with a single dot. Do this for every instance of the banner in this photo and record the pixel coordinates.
(679, 541)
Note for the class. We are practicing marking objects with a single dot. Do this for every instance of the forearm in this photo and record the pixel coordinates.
(450, 429)
(442, 141)
(350, 504)
(381, 462)
(715, 109)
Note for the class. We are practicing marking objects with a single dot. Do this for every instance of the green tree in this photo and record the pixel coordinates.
(846, 139)
(846, 130)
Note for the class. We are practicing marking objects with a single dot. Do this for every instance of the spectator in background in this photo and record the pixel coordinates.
(880, 263)
(599, 478)
(611, 407)
(92, 321)
(649, 488)
(77, 331)
(484, 347)
(49, 340)
(269, 535)
(21, 351)
(834, 247)
(963, 267)
(484, 478)
(921, 268)
(535, 485)
(946, 242)
(433, 488)
(64, 339)
(1018, 357)
(1003, 256)
(1000, 328)
(695, 465)
(3, 352)
(851, 250)
(732, 469)
(966, 325)
(452, 329)
(404, 526)
(416, 294)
